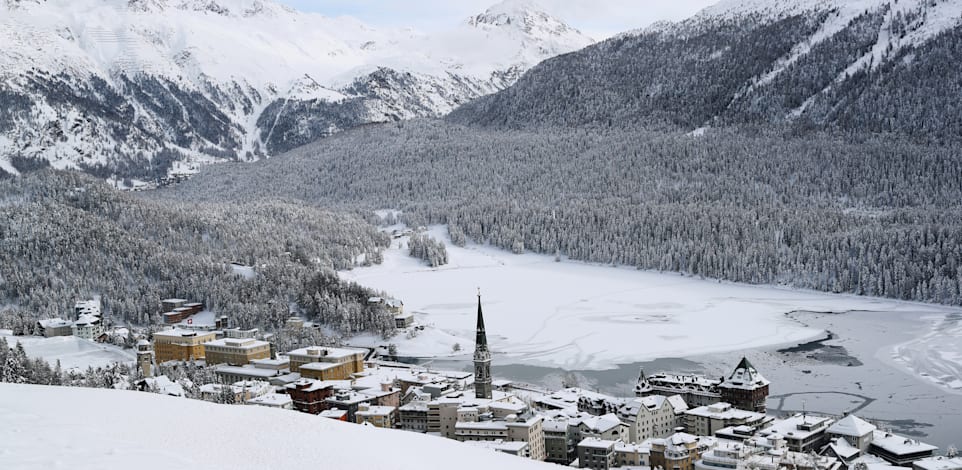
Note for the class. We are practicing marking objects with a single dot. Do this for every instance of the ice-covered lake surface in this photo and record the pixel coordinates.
(581, 316)
(896, 362)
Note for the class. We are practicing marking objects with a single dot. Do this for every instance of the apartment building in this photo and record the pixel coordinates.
(180, 345)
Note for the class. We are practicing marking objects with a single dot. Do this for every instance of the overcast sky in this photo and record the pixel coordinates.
(597, 18)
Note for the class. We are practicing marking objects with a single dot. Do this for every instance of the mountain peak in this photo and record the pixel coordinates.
(234, 8)
(526, 16)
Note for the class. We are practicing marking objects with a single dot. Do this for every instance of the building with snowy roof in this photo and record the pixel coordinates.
(706, 420)
(872, 462)
(273, 400)
(178, 344)
(649, 417)
(745, 388)
(858, 432)
(162, 385)
(236, 351)
(310, 396)
(606, 427)
(938, 463)
(597, 454)
(413, 416)
(377, 416)
(241, 392)
(801, 432)
(54, 327)
(87, 307)
(696, 390)
(327, 363)
(88, 327)
(632, 455)
(679, 451)
(478, 427)
(898, 450)
(737, 455)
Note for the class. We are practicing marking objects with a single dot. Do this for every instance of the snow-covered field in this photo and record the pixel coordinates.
(72, 352)
(579, 316)
(77, 428)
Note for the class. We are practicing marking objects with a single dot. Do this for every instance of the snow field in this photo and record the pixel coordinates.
(72, 352)
(78, 428)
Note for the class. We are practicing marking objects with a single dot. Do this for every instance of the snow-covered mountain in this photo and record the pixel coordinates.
(874, 66)
(128, 86)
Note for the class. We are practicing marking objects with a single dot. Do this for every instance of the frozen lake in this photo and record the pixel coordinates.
(579, 316)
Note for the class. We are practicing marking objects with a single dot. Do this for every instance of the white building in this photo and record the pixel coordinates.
(858, 432)
(648, 417)
(802, 433)
(88, 327)
(273, 400)
(706, 420)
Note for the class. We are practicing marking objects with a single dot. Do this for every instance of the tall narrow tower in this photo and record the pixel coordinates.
(482, 359)
(145, 357)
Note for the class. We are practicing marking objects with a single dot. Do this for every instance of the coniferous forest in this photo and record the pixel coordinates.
(871, 215)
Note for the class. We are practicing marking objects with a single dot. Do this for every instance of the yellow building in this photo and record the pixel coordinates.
(180, 345)
(323, 363)
(236, 351)
(379, 416)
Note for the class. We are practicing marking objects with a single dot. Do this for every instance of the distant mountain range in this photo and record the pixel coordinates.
(863, 66)
(134, 88)
(131, 87)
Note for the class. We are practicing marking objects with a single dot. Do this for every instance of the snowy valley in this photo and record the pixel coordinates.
(727, 242)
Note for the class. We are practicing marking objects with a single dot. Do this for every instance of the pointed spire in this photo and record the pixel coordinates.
(482, 359)
(481, 340)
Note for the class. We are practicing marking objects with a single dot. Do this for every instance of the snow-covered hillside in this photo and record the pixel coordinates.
(866, 66)
(78, 428)
(85, 83)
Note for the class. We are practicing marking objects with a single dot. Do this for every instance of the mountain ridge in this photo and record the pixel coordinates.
(819, 63)
(109, 86)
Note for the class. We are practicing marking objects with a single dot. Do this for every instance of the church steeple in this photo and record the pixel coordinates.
(482, 359)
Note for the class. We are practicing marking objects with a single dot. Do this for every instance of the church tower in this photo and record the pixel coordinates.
(145, 357)
(482, 359)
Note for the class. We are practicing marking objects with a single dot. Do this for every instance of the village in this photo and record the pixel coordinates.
(674, 421)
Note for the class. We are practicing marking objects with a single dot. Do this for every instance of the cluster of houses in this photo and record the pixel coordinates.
(674, 422)
(86, 323)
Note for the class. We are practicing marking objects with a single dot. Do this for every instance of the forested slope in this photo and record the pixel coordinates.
(876, 217)
(68, 237)
(842, 66)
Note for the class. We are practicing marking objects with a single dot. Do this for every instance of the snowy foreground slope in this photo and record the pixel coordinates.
(77, 428)
(94, 84)
(581, 316)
